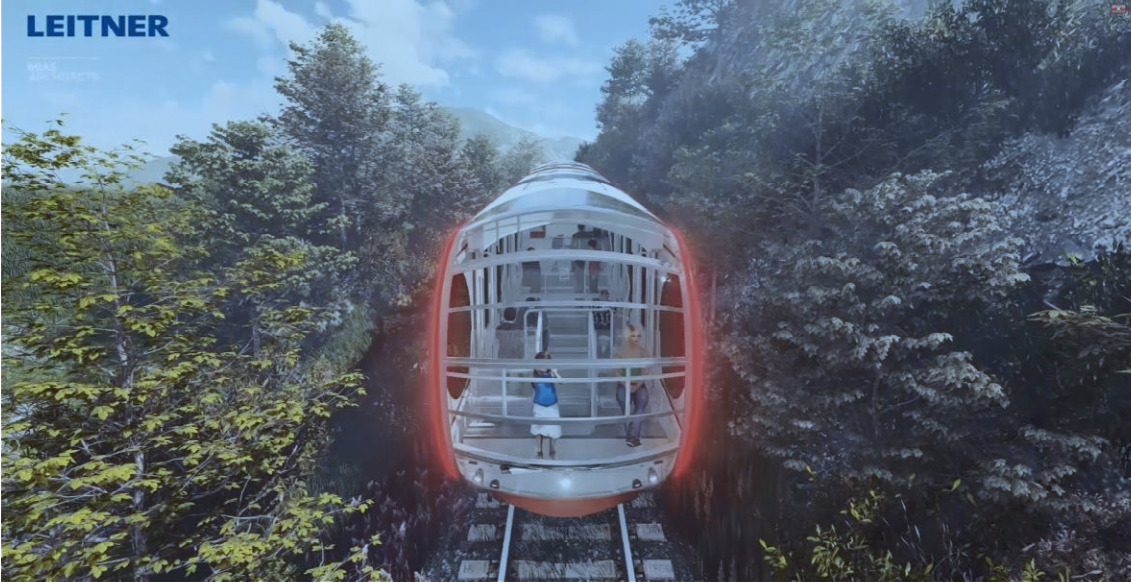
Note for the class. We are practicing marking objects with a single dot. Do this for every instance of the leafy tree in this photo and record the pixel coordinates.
(969, 76)
(250, 184)
(520, 159)
(845, 373)
(336, 114)
(436, 188)
(257, 195)
(138, 445)
(640, 75)
(1082, 371)
(483, 155)
(692, 22)
(792, 126)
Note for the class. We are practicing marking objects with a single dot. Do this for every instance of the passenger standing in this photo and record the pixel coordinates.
(602, 324)
(579, 241)
(632, 348)
(545, 407)
(532, 275)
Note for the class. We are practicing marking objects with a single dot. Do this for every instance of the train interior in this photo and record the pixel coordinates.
(576, 310)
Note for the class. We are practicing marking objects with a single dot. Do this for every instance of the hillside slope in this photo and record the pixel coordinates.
(1071, 194)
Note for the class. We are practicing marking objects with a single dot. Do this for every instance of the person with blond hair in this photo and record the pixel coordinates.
(632, 348)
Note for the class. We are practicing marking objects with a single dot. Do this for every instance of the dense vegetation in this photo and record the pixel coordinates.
(901, 396)
(904, 398)
(173, 353)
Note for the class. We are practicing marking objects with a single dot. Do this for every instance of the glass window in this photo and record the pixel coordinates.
(459, 334)
(672, 343)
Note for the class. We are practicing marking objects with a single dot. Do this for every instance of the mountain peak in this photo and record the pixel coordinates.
(476, 121)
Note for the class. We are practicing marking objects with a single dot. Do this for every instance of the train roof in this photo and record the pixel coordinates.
(559, 185)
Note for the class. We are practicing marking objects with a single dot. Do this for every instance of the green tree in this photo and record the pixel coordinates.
(137, 444)
(257, 194)
(436, 189)
(845, 345)
(251, 184)
(692, 22)
(520, 159)
(336, 114)
(483, 155)
(640, 76)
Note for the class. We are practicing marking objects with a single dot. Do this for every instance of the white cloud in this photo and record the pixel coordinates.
(409, 40)
(270, 21)
(523, 64)
(554, 28)
(251, 28)
(414, 42)
(288, 26)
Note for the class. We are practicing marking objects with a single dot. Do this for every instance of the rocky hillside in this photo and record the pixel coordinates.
(1071, 194)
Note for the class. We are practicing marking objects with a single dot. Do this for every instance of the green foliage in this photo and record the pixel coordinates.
(519, 160)
(833, 343)
(693, 21)
(250, 184)
(640, 75)
(796, 101)
(845, 552)
(883, 332)
(483, 156)
(138, 443)
(434, 188)
(388, 165)
(336, 114)
(969, 76)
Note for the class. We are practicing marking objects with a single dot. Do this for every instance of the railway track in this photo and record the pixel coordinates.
(626, 543)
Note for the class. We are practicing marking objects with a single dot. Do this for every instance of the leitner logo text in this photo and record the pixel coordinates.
(97, 25)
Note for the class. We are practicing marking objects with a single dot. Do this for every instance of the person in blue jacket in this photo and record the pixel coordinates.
(545, 406)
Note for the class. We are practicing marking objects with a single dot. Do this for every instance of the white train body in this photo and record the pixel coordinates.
(522, 277)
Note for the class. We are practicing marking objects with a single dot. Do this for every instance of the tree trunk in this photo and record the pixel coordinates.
(137, 531)
(125, 380)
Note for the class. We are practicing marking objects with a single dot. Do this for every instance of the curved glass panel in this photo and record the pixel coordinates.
(562, 175)
(672, 334)
(459, 334)
(563, 198)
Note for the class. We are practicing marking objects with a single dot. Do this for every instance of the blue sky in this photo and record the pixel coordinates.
(534, 64)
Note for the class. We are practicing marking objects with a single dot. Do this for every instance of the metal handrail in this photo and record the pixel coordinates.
(591, 342)
(569, 255)
(562, 305)
(564, 362)
(609, 462)
(568, 420)
(571, 380)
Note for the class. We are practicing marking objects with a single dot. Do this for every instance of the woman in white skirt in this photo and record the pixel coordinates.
(545, 406)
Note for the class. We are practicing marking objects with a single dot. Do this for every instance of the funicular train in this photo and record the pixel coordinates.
(564, 263)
